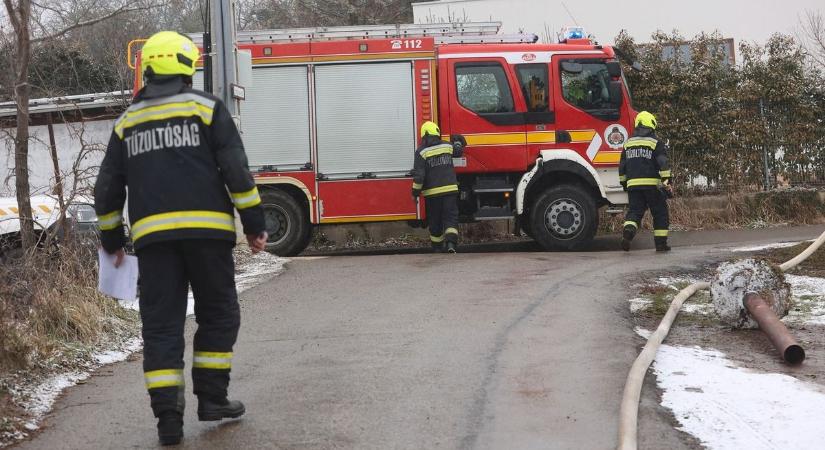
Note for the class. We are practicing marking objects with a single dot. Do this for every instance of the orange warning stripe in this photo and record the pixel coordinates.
(13, 210)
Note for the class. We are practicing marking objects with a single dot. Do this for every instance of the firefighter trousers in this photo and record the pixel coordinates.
(442, 216)
(641, 200)
(167, 269)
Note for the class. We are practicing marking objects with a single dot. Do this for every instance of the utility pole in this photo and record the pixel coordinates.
(224, 62)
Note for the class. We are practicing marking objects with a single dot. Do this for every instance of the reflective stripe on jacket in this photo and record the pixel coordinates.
(178, 152)
(644, 162)
(434, 173)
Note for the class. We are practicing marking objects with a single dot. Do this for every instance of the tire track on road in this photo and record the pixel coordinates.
(479, 407)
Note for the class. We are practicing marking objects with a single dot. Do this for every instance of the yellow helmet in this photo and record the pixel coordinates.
(430, 128)
(646, 119)
(169, 53)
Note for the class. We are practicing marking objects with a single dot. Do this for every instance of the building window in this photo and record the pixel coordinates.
(483, 88)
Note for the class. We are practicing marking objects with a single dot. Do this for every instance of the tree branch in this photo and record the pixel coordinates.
(15, 21)
(121, 10)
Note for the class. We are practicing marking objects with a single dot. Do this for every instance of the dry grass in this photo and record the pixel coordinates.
(814, 266)
(49, 305)
(787, 206)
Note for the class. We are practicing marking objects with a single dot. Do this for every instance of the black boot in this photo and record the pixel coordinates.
(628, 234)
(451, 247)
(438, 247)
(211, 409)
(661, 244)
(170, 428)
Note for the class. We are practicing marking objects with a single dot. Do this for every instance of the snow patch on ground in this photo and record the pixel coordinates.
(808, 299)
(257, 269)
(253, 270)
(677, 283)
(756, 248)
(639, 304)
(729, 408)
(43, 396)
(113, 356)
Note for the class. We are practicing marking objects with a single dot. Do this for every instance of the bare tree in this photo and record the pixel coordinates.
(813, 36)
(20, 18)
(49, 21)
(256, 14)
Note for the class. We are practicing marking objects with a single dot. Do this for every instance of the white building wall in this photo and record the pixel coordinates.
(70, 139)
(541, 17)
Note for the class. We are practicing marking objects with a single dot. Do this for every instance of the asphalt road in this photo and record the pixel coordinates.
(502, 347)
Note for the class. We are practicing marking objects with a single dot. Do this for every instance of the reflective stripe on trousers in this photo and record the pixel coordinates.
(163, 378)
(212, 360)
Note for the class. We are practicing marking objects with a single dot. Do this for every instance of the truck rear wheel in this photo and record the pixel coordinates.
(287, 223)
(564, 216)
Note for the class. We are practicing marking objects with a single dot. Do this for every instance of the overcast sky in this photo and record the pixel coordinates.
(753, 20)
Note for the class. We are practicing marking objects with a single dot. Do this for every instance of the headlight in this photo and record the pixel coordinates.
(82, 213)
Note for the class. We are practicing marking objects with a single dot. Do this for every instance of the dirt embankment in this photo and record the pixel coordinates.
(52, 321)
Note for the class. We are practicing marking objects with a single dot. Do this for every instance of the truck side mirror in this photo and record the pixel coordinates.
(616, 93)
(614, 69)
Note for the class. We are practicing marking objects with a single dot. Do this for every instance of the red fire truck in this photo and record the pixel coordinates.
(330, 118)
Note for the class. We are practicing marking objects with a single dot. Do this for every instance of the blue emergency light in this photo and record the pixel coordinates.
(572, 33)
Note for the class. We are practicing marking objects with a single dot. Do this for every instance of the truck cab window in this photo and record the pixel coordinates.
(587, 88)
(534, 86)
(483, 88)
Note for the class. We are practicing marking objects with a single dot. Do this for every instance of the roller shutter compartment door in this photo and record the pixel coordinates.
(364, 119)
(275, 116)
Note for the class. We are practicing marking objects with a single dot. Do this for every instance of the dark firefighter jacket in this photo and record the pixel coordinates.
(434, 174)
(644, 161)
(177, 150)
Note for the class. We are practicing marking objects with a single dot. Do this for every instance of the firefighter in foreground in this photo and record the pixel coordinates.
(644, 172)
(177, 150)
(434, 177)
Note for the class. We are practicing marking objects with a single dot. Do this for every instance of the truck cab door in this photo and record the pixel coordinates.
(588, 120)
(484, 108)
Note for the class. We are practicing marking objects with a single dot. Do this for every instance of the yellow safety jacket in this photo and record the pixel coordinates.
(177, 152)
(433, 173)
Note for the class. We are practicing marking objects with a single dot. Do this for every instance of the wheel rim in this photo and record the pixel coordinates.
(564, 219)
(278, 223)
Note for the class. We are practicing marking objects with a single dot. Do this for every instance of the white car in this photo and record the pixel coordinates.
(80, 216)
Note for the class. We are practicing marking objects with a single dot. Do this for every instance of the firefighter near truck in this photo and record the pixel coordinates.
(330, 122)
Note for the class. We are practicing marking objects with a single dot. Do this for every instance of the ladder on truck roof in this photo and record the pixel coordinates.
(443, 33)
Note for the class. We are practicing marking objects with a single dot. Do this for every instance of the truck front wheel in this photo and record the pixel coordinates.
(287, 223)
(564, 216)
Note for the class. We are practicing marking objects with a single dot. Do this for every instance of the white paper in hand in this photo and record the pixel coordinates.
(120, 282)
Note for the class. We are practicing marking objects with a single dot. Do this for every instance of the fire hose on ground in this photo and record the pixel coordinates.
(759, 313)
